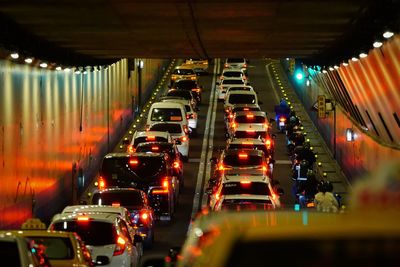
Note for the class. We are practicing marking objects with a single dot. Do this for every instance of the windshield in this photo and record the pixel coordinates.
(237, 160)
(237, 88)
(241, 99)
(252, 188)
(246, 204)
(180, 93)
(185, 85)
(56, 248)
(250, 134)
(124, 198)
(89, 231)
(167, 127)
(183, 72)
(166, 114)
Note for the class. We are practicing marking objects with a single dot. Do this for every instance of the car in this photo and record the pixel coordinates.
(236, 63)
(255, 144)
(148, 136)
(240, 97)
(178, 133)
(226, 83)
(61, 248)
(186, 94)
(243, 187)
(183, 72)
(103, 233)
(17, 251)
(229, 111)
(238, 88)
(247, 118)
(189, 85)
(232, 73)
(136, 202)
(252, 131)
(172, 151)
(151, 172)
(167, 111)
(197, 64)
(191, 113)
(231, 238)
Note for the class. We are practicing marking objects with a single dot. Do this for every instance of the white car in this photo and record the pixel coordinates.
(178, 133)
(256, 187)
(167, 112)
(240, 97)
(233, 74)
(226, 83)
(191, 114)
(148, 136)
(103, 233)
(247, 118)
(244, 130)
(239, 88)
(236, 63)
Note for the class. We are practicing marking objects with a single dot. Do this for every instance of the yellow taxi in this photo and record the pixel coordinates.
(183, 72)
(197, 64)
(290, 238)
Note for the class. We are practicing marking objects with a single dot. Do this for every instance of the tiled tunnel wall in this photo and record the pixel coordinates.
(55, 126)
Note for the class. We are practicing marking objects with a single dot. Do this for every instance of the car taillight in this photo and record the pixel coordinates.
(245, 182)
(197, 90)
(184, 138)
(226, 65)
(283, 119)
(155, 148)
(187, 116)
(234, 125)
(243, 156)
(165, 187)
(82, 219)
(144, 216)
(250, 131)
(119, 246)
(116, 204)
(133, 162)
(131, 149)
(230, 116)
(268, 143)
(217, 196)
(221, 167)
(274, 196)
(176, 165)
(185, 129)
(250, 116)
(264, 168)
(193, 77)
(150, 138)
(247, 143)
(101, 183)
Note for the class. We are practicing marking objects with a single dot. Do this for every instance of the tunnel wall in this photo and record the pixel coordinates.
(56, 126)
(367, 98)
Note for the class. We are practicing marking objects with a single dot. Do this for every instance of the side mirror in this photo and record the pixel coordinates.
(101, 260)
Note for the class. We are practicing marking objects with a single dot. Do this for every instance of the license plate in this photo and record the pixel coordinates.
(281, 123)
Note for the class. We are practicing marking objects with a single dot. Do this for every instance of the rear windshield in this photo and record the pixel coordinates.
(250, 134)
(249, 146)
(167, 127)
(56, 248)
(246, 204)
(242, 99)
(233, 74)
(235, 109)
(128, 169)
(237, 161)
(166, 114)
(237, 188)
(144, 139)
(93, 233)
(183, 71)
(180, 93)
(185, 85)
(237, 88)
(10, 253)
(250, 119)
(160, 147)
(235, 60)
(232, 82)
(124, 198)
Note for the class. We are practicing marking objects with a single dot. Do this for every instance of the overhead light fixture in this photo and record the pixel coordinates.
(77, 72)
(388, 34)
(331, 69)
(85, 72)
(354, 59)
(345, 64)
(336, 67)
(377, 44)
(43, 65)
(58, 68)
(287, 59)
(28, 60)
(324, 71)
(67, 69)
(363, 55)
(14, 55)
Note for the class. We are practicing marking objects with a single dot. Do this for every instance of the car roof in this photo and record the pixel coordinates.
(94, 208)
(183, 67)
(95, 216)
(251, 141)
(241, 92)
(250, 112)
(175, 99)
(166, 105)
(149, 133)
(118, 189)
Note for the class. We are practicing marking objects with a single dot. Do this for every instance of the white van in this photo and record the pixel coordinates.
(167, 112)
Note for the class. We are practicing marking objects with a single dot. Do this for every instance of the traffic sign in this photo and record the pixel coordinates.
(321, 107)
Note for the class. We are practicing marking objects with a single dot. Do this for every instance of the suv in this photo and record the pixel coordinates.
(103, 233)
(226, 83)
(151, 172)
(136, 202)
(167, 111)
(240, 97)
(247, 118)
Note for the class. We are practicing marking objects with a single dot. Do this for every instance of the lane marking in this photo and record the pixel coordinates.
(204, 150)
(271, 82)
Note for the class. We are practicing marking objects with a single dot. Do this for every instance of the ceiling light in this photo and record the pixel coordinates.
(354, 59)
(28, 60)
(77, 72)
(331, 69)
(336, 67)
(345, 64)
(14, 55)
(43, 65)
(67, 69)
(377, 44)
(324, 71)
(85, 72)
(58, 68)
(388, 34)
(363, 55)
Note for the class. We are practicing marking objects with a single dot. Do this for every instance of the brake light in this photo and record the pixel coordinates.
(246, 109)
(282, 119)
(217, 196)
(231, 116)
(131, 149)
(245, 182)
(244, 65)
(115, 204)
(82, 219)
(221, 167)
(234, 125)
(133, 162)
(159, 191)
(151, 137)
(310, 205)
(101, 183)
(226, 65)
(185, 129)
(274, 196)
(184, 138)
(250, 131)
(187, 116)
(193, 77)
(144, 216)
(155, 148)
(165, 183)
(197, 90)
(176, 165)
(119, 246)
(243, 156)
(268, 143)
(264, 168)
(250, 116)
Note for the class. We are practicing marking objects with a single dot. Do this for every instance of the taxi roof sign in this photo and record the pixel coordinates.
(33, 223)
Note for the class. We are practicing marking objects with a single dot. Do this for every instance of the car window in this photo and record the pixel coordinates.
(124, 230)
(246, 204)
(252, 188)
(237, 88)
(250, 119)
(180, 93)
(166, 114)
(250, 134)
(225, 82)
(160, 147)
(242, 160)
(233, 74)
(55, 248)
(89, 231)
(241, 99)
(129, 198)
(167, 127)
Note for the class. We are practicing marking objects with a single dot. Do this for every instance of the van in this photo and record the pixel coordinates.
(167, 112)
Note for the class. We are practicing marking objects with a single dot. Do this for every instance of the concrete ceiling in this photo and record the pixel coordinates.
(107, 30)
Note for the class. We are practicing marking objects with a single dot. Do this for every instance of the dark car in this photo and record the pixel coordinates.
(171, 150)
(150, 172)
(136, 202)
(189, 85)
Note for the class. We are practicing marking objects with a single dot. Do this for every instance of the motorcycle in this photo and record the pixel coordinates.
(281, 123)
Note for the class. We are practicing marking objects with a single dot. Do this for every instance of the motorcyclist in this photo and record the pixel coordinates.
(305, 152)
(325, 200)
(299, 175)
(307, 190)
(282, 109)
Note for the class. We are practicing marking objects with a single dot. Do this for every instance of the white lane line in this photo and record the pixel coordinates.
(283, 161)
(271, 82)
(204, 149)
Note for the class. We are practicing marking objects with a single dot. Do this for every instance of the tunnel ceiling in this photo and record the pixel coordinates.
(90, 30)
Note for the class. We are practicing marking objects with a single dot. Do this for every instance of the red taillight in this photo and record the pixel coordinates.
(165, 183)
(101, 183)
(234, 125)
(217, 196)
(245, 182)
(282, 119)
(164, 189)
(144, 216)
(184, 138)
(221, 167)
(116, 204)
(264, 168)
(155, 148)
(310, 205)
(268, 143)
(133, 162)
(226, 65)
(250, 131)
(197, 90)
(119, 246)
(131, 149)
(274, 196)
(244, 65)
(243, 156)
(176, 165)
(150, 138)
(231, 116)
(247, 143)
(82, 219)
(246, 109)
(185, 129)
(250, 116)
